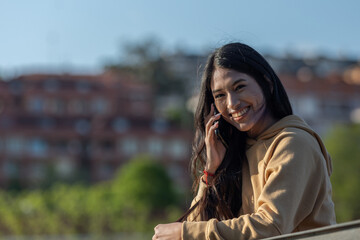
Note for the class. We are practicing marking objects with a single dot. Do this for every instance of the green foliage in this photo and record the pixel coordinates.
(180, 116)
(139, 197)
(145, 182)
(343, 144)
(146, 60)
(159, 68)
(145, 190)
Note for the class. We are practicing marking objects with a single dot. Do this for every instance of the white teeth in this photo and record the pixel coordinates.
(242, 112)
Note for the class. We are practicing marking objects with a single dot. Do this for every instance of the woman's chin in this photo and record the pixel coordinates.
(243, 127)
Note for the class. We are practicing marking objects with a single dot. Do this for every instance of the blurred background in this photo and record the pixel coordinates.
(97, 102)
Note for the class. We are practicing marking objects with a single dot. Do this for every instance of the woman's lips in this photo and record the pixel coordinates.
(240, 114)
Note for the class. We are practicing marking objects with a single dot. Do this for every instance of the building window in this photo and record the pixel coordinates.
(99, 106)
(15, 145)
(10, 169)
(46, 123)
(159, 125)
(16, 87)
(335, 108)
(77, 106)
(83, 86)
(107, 146)
(121, 125)
(308, 106)
(129, 146)
(35, 104)
(155, 146)
(177, 149)
(65, 167)
(51, 85)
(56, 106)
(37, 147)
(82, 126)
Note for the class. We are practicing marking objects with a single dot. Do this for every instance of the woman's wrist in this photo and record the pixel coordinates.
(210, 169)
(207, 180)
(207, 177)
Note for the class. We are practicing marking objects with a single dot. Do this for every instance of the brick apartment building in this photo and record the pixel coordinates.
(100, 122)
(91, 122)
(324, 91)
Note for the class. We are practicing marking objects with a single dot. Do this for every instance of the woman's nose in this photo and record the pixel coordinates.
(232, 101)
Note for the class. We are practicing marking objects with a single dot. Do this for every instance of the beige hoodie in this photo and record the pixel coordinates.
(286, 187)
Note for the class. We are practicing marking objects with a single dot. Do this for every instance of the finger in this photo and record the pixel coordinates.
(211, 121)
(211, 131)
(214, 127)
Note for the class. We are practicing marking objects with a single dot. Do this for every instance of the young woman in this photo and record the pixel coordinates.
(259, 170)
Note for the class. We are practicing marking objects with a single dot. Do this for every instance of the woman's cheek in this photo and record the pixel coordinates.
(259, 101)
(221, 107)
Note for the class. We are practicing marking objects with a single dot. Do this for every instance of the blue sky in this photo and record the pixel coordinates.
(87, 33)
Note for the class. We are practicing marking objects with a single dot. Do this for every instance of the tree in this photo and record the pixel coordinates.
(343, 144)
(145, 195)
(148, 62)
(145, 182)
(141, 196)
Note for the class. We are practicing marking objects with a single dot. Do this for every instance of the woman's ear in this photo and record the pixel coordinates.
(271, 84)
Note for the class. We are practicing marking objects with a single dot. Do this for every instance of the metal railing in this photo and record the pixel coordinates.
(343, 231)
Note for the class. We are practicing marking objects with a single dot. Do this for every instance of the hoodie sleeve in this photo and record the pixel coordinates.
(294, 186)
(194, 215)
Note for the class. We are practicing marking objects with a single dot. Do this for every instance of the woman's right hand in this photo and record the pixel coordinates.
(215, 150)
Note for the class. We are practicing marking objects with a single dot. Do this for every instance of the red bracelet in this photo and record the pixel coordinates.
(209, 174)
(206, 173)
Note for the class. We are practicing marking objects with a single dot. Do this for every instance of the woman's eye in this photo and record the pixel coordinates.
(239, 87)
(218, 95)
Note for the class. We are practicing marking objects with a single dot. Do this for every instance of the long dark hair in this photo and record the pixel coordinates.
(222, 199)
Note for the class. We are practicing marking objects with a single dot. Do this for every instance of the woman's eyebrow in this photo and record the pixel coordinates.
(215, 91)
(239, 80)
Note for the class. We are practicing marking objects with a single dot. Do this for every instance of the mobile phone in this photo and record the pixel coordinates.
(218, 131)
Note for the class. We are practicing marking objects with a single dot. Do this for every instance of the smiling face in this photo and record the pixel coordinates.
(240, 100)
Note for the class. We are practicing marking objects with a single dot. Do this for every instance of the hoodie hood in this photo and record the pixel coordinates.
(293, 121)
